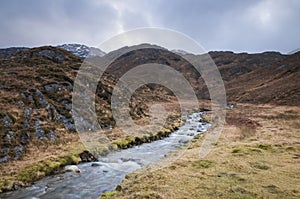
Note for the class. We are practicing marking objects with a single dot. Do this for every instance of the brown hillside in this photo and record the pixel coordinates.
(36, 88)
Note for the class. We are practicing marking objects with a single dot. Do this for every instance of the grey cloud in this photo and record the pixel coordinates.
(251, 26)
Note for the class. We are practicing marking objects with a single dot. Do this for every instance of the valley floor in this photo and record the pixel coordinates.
(257, 156)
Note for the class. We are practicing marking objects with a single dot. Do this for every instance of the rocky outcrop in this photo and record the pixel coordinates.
(6, 53)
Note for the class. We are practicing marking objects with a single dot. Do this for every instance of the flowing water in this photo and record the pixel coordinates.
(106, 174)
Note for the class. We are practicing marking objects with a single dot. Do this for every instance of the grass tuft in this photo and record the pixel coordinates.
(202, 164)
(108, 195)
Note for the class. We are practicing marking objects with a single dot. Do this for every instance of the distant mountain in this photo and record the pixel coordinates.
(82, 50)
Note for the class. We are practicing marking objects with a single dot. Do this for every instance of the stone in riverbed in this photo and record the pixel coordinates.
(86, 156)
(94, 164)
(72, 168)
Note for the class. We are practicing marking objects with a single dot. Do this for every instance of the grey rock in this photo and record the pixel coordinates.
(55, 116)
(67, 104)
(51, 135)
(52, 88)
(30, 98)
(21, 104)
(52, 113)
(72, 168)
(24, 138)
(5, 151)
(41, 98)
(4, 159)
(7, 121)
(183, 141)
(52, 55)
(6, 53)
(95, 164)
(10, 137)
(39, 133)
(68, 123)
(19, 151)
(23, 95)
(26, 125)
(27, 112)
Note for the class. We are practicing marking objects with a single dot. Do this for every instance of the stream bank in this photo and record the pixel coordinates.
(99, 177)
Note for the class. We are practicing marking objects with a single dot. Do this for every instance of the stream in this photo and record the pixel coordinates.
(109, 172)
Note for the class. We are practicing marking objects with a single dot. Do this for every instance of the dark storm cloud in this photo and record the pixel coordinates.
(253, 26)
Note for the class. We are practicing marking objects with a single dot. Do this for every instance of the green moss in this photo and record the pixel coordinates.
(202, 164)
(166, 131)
(114, 147)
(122, 143)
(6, 185)
(44, 168)
(108, 195)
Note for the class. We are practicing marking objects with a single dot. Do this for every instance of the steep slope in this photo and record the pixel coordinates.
(36, 99)
(260, 78)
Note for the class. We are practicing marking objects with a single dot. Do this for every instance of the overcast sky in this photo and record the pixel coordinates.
(235, 25)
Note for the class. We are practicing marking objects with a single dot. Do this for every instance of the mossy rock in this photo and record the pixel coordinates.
(44, 168)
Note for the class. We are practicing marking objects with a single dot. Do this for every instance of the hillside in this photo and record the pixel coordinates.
(36, 96)
(36, 87)
(36, 99)
(268, 77)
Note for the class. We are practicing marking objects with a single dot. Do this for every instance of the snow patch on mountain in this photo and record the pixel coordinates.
(82, 50)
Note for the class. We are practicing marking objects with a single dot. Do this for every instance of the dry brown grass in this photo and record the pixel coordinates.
(263, 164)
